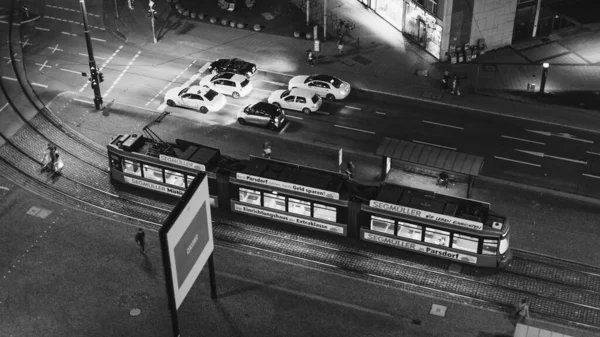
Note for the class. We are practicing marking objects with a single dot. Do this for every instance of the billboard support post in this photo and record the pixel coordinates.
(211, 274)
(169, 283)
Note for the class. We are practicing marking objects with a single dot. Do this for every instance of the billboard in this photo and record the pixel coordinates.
(187, 239)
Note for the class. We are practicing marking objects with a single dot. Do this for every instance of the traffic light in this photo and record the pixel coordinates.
(94, 83)
(101, 77)
(131, 4)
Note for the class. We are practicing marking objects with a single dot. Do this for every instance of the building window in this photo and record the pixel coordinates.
(490, 247)
(437, 237)
(465, 242)
(274, 201)
(249, 196)
(325, 212)
(431, 6)
(410, 231)
(152, 172)
(299, 207)
(382, 225)
(131, 167)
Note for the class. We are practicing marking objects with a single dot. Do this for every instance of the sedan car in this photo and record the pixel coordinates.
(296, 99)
(233, 66)
(195, 97)
(327, 86)
(231, 84)
(263, 114)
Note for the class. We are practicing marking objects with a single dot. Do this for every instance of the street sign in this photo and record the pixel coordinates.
(150, 3)
(317, 46)
(316, 32)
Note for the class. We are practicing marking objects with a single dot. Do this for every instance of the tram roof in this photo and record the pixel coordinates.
(294, 174)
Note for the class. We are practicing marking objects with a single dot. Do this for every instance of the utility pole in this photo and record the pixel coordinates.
(116, 9)
(325, 20)
(151, 14)
(93, 70)
(537, 18)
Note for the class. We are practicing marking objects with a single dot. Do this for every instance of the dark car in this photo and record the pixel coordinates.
(234, 66)
(263, 114)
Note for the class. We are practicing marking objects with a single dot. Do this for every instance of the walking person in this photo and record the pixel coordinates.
(455, 86)
(310, 57)
(140, 239)
(267, 149)
(47, 158)
(341, 46)
(521, 312)
(58, 164)
(25, 10)
(446, 80)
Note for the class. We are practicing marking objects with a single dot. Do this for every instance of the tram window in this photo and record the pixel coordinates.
(299, 206)
(249, 196)
(174, 178)
(437, 237)
(152, 172)
(382, 225)
(274, 201)
(189, 178)
(131, 167)
(465, 242)
(490, 246)
(115, 162)
(410, 231)
(325, 212)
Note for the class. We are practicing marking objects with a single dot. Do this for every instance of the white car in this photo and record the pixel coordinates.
(195, 97)
(296, 99)
(327, 86)
(235, 85)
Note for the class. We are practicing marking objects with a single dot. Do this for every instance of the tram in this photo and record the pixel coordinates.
(461, 230)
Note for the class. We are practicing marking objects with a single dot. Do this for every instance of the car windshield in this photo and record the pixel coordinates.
(335, 82)
(211, 94)
(315, 98)
(245, 83)
(285, 93)
(183, 91)
(249, 108)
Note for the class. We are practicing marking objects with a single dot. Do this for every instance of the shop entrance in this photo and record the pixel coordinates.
(422, 33)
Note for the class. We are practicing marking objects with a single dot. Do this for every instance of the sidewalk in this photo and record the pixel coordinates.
(384, 62)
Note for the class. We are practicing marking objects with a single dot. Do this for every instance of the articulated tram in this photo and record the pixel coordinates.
(452, 228)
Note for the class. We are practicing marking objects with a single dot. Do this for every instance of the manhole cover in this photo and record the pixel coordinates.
(363, 60)
(135, 312)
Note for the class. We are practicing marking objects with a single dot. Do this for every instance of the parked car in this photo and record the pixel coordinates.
(231, 84)
(263, 114)
(195, 97)
(327, 86)
(232, 65)
(296, 99)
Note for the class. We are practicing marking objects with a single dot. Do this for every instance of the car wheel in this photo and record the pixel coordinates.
(242, 121)
(330, 97)
(271, 127)
(203, 109)
(170, 102)
(277, 105)
(306, 111)
(235, 94)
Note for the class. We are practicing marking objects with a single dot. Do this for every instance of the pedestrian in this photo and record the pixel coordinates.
(521, 311)
(310, 58)
(350, 169)
(53, 152)
(455, 86)
(25, 11)
(341, 46)
(47, 158)
(446, 80)
(140, 239)
(58, 163)
(267, 149)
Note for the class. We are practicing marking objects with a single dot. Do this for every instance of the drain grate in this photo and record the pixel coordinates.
(362, 60)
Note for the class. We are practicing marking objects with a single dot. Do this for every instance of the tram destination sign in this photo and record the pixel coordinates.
(288, 186)
(446, 219)
(181, 162)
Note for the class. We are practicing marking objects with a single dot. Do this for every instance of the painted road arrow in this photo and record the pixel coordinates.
(541, 154)
(561, 135)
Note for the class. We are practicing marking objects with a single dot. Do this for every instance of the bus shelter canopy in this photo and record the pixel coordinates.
(430, 156)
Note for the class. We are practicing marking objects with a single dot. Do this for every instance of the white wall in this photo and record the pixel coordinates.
(493, 20)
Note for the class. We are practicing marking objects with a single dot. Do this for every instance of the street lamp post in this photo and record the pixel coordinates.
(545, 67)
(151, 14)
(93, 70)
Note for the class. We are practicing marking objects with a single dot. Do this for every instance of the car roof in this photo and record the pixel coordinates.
(301, 92)
(196, 89)
(321, 77)
(265, 106)
(230, 76)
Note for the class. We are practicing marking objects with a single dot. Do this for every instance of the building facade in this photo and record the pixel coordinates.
(441, 25)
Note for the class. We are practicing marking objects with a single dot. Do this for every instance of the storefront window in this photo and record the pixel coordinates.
(465, 242)
(131, 167)
(325, 212)
(299, 207)
(490, 246)
(437, 237)
(382, 225)
(422, 27)
(249, 196)
(410, 231)
(274, 201)
(391, 10)
(152, 172)
(174, 178)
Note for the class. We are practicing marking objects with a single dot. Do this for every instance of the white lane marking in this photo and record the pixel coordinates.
(9, 78)
(561, 135)
(54, 49)
(42, 66)
(541, 154)
(101, 40)
(523, 140)
(380, 113)
(353, 129)
(352, 107)
(71, 71)
(14, 23)
(39, 85)
(446, 125)
(517, 161)
(83, 101)
(594, 153)
(67, 33)
(175, 79)
(3, 107)
(95, 57)
(5, 188)
(10, 60)
(442, 146)
(42, 28)
(590, 175)
(265, 90)
(294, 117)
(203, 68)
(122, 73)
(285, 127)
(162, 107)
(24, 44)
(276, 83)
(237, 105)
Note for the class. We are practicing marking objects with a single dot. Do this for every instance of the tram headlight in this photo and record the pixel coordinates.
(504, 244)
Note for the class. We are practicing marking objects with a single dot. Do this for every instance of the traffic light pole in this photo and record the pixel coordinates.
(93, 69)
(151, 14)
